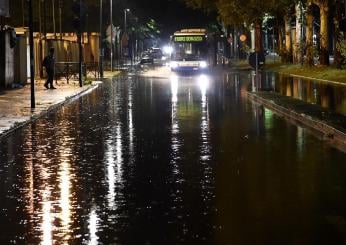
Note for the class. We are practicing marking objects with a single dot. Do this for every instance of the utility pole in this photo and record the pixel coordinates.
(60, 29)
(79, 15)
(45, 19)
(301, 33)
(100, 44)
(125, 28)
(23, 15)
(40, 34)
(125, 33)
(53, 9)
(80, 45)
(32, 65)
(111, 21)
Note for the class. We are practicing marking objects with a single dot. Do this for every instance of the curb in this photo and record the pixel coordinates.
(51, 108)
(329, 133)
(313, 79)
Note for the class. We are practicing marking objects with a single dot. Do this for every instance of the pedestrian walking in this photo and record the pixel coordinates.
(48, 63)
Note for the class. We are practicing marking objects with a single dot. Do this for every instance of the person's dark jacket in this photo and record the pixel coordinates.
(48, 63)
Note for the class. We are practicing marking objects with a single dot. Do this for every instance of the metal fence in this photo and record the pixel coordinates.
(70, 70)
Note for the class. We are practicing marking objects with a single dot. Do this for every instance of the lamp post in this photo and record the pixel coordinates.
(80, 46)
(53, 15)
(60, 12)
(125, 26)
(125, 11)
(301, 33)
(100, 44)
(111, 22)
(32, 64)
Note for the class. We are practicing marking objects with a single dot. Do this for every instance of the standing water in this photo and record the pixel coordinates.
(185, 160)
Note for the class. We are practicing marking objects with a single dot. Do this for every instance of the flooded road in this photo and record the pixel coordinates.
(328, 95)
(178, 160)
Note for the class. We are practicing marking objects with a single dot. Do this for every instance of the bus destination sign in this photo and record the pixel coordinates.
(188, 39)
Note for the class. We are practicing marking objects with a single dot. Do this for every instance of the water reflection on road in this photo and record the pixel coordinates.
(327, 95)
(177, 160)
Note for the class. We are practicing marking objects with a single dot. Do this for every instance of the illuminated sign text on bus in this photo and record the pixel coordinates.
(188, 39)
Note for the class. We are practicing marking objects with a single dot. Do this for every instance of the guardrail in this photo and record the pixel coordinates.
(70, 70)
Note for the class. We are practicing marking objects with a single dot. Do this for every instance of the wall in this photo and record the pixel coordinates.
(6, 60)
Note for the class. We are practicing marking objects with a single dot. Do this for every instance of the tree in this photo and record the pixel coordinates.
(240, 12)
(338, 58)
(324, 31)
(309, 60)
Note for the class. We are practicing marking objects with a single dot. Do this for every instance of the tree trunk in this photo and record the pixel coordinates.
(281, 39)
(337, 18)
(324, 32)
(258, 36)
(297, 52)
(309, 61)
(288, 39)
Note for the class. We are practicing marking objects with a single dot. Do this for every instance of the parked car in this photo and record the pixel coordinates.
(156, 53)
(146, 59)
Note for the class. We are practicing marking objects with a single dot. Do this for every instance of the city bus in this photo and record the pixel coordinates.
(190, 50)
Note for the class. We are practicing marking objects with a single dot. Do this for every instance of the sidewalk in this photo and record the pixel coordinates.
(15, 110)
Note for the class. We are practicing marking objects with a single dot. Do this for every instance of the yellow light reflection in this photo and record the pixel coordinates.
(65, 155)
(47, 219)
(65, 186)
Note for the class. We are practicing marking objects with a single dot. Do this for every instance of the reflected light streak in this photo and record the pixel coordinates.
(47, 220)
(131, 129)
(110, 174)
(119, 162)
(205, 146)
(174, 88)
(175, 145)
(93, 226)
(203, 83)
(65, 187)
(114, 166)
(29, 174)
(268, 118)
(300, 142)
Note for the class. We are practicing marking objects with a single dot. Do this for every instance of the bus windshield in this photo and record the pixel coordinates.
(189, 51)
(189, 44)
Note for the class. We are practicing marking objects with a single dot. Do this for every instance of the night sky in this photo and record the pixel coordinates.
(172, 15)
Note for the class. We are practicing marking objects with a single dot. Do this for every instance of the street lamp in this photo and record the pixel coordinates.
(111, 22)
(100, 44)
(125, 11)
(125, 27)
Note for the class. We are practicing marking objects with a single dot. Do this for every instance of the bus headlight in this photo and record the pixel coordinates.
(203, 64)
(174, 64)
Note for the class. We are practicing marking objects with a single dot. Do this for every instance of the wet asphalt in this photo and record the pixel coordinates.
(175, 160)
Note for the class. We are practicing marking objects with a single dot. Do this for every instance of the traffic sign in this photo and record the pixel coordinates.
(242, 37)
(260, 58)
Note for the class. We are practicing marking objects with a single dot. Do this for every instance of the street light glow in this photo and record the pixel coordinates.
(168, 50)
